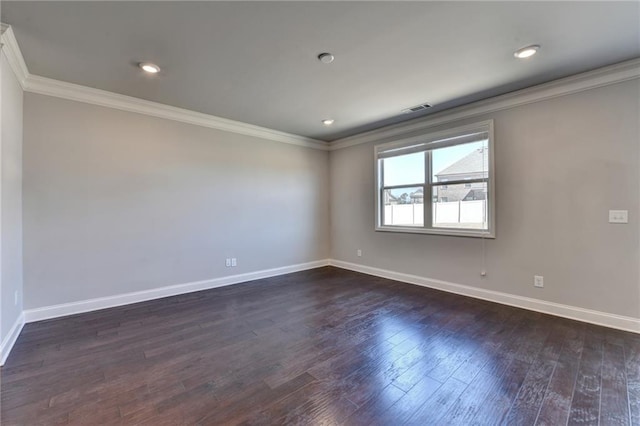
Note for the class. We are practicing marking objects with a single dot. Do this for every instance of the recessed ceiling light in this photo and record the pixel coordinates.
(526, 51)
(327, 121)
(326, 58)
(149, 67)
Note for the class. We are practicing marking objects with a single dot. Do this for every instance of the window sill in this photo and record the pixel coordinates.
(436, 231)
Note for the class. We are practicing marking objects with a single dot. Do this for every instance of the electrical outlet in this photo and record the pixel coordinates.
(227, 262)
(359, 253)
(538, 281)
(234, 261)
(15, 298)
(618, 216)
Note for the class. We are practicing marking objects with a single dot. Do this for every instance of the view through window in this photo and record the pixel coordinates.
(449, 175)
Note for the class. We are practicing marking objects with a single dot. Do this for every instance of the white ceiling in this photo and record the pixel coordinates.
(256, 62)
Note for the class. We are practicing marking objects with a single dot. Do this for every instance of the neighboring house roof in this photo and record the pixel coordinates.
(453, 193)
(474, 162)
(389, 197)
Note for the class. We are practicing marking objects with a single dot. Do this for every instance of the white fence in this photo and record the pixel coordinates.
(460, 213)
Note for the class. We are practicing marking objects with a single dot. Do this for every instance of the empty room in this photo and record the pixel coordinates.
(320, 213)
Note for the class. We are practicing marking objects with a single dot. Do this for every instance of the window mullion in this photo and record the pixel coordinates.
(409, 185)
(460, 182)
(427, 197)
(381, 209)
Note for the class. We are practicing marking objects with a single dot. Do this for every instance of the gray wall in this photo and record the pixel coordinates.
(11, 200)
(116, 202)
(561, 164)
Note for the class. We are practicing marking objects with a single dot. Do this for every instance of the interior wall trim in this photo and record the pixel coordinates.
(600, 77)
(75, 92)
(566, 311)
(13, 54)
(65, 309)
(11, 338)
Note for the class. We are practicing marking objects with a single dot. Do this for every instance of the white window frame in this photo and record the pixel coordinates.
(428, 142)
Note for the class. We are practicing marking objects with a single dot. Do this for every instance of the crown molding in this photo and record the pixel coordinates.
(605, 76)
(75, 92)
(13, 54)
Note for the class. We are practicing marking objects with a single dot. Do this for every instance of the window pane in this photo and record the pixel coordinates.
(459, 162)
(460, 206)
(404, 169)
(403, 206)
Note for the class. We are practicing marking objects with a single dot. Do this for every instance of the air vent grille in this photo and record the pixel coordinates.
(416, 108)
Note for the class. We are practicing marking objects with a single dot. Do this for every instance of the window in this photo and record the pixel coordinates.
(453, 169)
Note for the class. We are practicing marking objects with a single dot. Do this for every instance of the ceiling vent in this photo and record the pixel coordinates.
(416, 108)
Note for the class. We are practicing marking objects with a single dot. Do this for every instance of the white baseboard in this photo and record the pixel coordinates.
(55, 311)
(572, 312)
(10, 339)
(566, 311)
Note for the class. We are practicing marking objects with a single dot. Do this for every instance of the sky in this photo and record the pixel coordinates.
(408, 169)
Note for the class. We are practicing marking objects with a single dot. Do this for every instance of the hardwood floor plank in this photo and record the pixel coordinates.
(402, 411)
(585, 405)
(632, 369)
(526, 406)
(465, 408)
(556, 403)
(316, 403)
(371, 412)
(435, 407)
(614, 402)
(496, 406)
(489, 348)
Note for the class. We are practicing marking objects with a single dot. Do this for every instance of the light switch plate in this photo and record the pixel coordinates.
(618, 216)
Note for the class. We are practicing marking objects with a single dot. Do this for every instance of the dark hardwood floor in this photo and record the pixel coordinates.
(325, 346)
